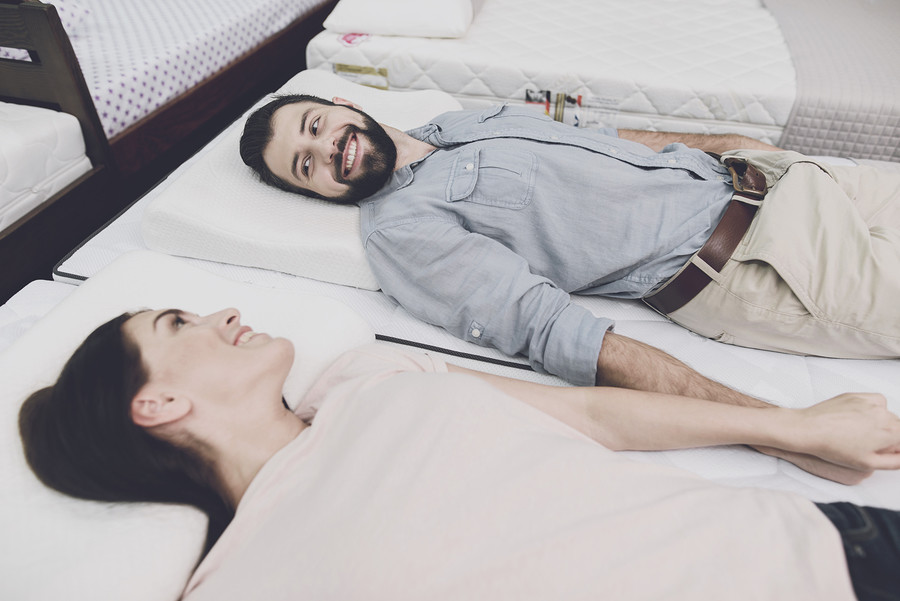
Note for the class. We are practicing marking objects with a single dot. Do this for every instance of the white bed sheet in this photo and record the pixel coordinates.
(707, 66)
(41, 152)
(136, 55)
(27, 306)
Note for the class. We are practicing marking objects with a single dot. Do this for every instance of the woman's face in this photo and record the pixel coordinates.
(212, 356)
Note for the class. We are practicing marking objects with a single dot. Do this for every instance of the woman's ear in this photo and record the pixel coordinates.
(151, 408)
(344, 102)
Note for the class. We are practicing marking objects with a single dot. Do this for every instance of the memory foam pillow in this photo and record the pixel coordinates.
(217, 209)
(56, 547)
(419, 18)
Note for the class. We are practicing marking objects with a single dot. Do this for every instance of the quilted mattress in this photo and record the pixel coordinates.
(136, 56)
(41, 152)
(703, 66)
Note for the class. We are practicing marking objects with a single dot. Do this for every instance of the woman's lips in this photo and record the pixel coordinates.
(243, 336)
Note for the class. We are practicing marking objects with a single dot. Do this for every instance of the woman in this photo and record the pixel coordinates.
(419, 479)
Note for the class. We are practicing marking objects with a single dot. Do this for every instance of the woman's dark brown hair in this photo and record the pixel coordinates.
(79, 437)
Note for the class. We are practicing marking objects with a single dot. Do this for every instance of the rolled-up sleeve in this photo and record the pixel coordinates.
(484, 293)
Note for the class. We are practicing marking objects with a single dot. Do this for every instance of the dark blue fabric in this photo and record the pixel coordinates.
(871, 539)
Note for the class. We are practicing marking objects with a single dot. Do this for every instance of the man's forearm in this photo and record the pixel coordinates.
(628, 363)
(718, 143)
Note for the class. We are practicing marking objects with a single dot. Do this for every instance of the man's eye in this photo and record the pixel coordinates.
(304, 167)
(178, 321)
(314, 127)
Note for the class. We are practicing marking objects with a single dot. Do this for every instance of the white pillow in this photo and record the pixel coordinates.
(217, 209)
(416, 18)
(56, 547)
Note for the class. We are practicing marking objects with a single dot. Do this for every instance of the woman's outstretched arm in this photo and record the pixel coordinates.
(853, 432)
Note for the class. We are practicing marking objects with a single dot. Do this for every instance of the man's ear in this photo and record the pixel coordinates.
(344, 102)
(151, 408)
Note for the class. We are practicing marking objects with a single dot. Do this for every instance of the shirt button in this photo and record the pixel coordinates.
(476, 333)
(554, 137)
(672, 161)
(470, 166)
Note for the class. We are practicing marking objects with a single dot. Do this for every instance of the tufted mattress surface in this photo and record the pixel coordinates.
(41, 151)
(704, 66)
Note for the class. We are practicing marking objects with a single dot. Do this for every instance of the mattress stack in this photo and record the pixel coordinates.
(41, 152)
(702, 66)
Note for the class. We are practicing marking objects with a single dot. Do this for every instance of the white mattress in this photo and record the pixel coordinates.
(27, 306)
(705, 66)
(783, 379)
(150, 548)
(136, 55)
(41, 152)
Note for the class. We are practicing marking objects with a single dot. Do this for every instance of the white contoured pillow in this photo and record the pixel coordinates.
(217, 209)
(417, 18)
(55, 547)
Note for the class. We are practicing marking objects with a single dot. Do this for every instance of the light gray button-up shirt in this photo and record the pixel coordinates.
(489, 234)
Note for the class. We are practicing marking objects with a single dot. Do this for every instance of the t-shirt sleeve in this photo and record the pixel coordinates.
(363, 367)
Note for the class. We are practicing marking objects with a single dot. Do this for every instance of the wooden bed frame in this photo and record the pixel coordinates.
(134, 160)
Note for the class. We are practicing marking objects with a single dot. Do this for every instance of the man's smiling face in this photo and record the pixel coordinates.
(334, 152)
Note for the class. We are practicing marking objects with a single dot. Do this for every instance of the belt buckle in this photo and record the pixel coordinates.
(746, 179)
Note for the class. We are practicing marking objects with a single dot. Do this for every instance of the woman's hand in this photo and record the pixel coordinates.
(844, 439)
(854, 430)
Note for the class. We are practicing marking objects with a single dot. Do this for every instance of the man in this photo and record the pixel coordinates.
(483, 222)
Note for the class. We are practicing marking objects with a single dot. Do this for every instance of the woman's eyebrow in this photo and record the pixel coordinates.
(164, 313)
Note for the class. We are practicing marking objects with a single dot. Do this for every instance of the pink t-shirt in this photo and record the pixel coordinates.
(414, 483)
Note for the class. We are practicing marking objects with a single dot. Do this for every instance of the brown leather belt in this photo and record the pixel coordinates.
(750, 183)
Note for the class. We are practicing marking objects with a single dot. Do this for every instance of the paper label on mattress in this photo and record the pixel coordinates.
(578, 110)
(538, 99)
(354, 39)
(588, 111)
(364, 75)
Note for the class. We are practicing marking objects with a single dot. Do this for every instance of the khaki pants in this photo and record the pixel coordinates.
(818, 272)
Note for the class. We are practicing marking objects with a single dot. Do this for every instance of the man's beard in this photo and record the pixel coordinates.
(377, 162)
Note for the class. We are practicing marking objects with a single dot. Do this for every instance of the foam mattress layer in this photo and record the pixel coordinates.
(703, 66)
(41, 152)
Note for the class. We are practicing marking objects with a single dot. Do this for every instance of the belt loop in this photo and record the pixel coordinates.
(756, 202)
(706, 268)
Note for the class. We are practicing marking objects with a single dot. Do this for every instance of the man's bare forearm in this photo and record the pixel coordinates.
(628, 363)
(843, 438)
(718, 143)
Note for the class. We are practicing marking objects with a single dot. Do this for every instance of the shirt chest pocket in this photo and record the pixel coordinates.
(493, 177)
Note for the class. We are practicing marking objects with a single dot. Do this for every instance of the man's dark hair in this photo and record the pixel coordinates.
(258, 133)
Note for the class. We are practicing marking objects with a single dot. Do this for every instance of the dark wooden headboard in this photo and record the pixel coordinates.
(134, 160)
(53, 78)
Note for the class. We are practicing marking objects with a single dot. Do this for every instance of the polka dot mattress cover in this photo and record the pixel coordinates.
(136, 55)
